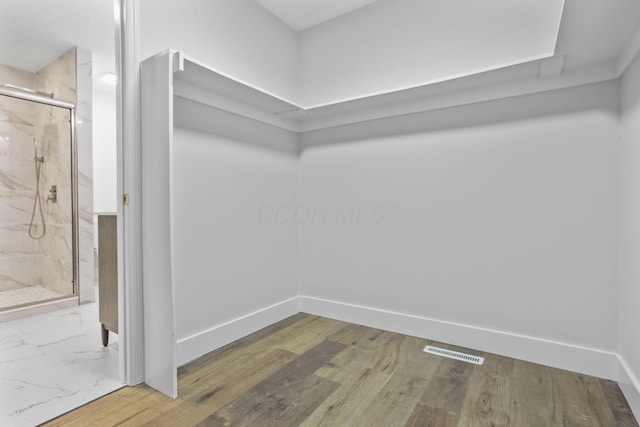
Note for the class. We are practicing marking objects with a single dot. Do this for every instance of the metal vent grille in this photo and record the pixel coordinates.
(454, 355)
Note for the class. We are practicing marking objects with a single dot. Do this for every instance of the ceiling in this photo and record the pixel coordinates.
(595, 31)
(302, 14)
(33, 33)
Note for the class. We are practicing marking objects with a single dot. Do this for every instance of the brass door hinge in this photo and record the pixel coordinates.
(125, 198)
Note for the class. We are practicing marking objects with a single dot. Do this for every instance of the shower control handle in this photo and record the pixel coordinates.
(53, 194)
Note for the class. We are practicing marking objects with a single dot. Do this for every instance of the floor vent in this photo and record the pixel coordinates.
(454, 355)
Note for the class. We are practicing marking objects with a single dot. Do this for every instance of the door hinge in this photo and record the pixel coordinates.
(125, 199)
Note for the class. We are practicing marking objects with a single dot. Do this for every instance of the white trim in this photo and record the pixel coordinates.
(157, 226)
(630, 385)
(130, 308)
(196, 345)
(590, 361)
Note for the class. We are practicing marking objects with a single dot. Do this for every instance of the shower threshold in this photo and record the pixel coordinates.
(24, 302)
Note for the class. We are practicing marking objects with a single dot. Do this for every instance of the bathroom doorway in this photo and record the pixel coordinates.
(51, 349)
(38, 198)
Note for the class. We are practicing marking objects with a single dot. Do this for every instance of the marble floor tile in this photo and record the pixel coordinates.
(52, 363)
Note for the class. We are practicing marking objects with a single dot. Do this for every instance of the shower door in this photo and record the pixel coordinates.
(37, 233)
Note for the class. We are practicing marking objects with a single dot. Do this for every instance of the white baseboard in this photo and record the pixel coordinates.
(630, 385)
(598, 363)
(194, 346)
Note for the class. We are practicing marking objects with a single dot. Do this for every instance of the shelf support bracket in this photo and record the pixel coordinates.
(178, 61)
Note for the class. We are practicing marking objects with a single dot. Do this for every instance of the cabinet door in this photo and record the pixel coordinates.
(108, 271)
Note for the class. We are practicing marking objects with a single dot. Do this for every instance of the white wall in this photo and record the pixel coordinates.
(228, 262)
(397, 43)
(500, 215)
(630, 222)
(105, 151)
(237, 37)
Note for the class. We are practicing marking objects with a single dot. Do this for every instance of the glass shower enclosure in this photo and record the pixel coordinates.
(38, 199)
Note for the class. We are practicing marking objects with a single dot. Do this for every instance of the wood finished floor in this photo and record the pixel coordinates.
(313, 371)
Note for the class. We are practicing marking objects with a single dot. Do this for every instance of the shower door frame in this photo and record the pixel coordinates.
(43, 99)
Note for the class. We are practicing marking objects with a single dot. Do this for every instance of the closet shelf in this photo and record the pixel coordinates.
(210, 87)
(201, 83)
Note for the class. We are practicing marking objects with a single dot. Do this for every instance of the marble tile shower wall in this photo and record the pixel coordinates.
(47, 262)
(18, 252)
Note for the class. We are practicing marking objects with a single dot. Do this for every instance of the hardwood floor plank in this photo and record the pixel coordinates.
(287, 405)
(488, 401)
(306, 364)
(575, 399)
(229, 360)
(294, 321)
(313, 334)
(232, 353)
(218, 390)
(363, 372)
(349, 362)
(360, 334)
(348, 403)
(428, 416)
(396, 401)
(618, 404)
(228, 365)
(376, 351)
(388, 356)
(347, 329)
(534, 402)
(375, 339)
(597, 400)
(279, 396)
(130, 410)
(442, 401)
(449, 385)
